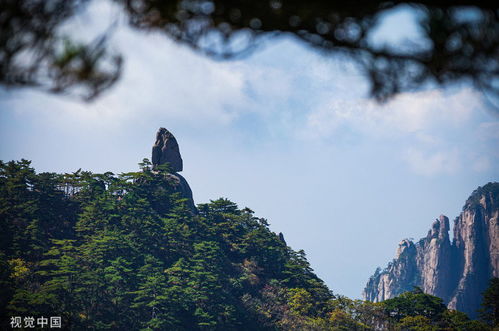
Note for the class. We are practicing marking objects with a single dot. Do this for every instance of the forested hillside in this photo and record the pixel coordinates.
(126, 252)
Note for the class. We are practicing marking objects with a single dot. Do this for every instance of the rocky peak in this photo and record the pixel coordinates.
(406, 246)
(440, 228)
(457, 272)
(166, 150)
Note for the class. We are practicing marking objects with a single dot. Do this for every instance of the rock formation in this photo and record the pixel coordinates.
(166, 151)
(457, 272)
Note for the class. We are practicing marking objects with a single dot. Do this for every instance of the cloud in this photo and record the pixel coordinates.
(429, 164)
(162, 81)
(434, 132)
(407, 113)
(306, 97)
(166, 82)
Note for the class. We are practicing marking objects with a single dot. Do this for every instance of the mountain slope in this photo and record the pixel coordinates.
(457, 272)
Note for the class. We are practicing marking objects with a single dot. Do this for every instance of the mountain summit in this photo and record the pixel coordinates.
(166, 151)
(457, 272)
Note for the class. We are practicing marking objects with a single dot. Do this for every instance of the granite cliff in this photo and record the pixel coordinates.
(166, 151)
(457, 271)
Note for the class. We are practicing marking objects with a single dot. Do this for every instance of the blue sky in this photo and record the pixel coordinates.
(288, 132)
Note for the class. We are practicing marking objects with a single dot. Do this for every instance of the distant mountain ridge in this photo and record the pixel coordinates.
(457, 271)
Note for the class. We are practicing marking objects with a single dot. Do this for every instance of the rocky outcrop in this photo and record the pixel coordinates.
(476, 244)
(397, 278)
(166, 151)
(457, 272)
(433, 259)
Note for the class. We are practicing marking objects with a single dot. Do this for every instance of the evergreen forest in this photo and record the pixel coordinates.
(125, 252)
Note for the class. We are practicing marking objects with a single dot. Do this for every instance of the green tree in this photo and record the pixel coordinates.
(107, 251)
(416, 323)
(490, 303)
(414, 303)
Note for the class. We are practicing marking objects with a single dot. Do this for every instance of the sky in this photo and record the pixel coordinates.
(288, 132)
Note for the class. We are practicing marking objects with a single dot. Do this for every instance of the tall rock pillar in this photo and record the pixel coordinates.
(166, 151)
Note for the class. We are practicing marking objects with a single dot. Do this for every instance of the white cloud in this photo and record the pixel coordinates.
(413, 112)
(431, 130)
(161, 80)
(306, 95)
(406, 113)
(263, 81)
(428, 164)
(168, 82)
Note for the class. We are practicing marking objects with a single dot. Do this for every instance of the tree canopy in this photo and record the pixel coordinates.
(125, 252)
(107, 251)
(490, 303)
(460, 39)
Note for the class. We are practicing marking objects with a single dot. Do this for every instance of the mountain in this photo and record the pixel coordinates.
(457, 271)
(166, 151)
(131, 251)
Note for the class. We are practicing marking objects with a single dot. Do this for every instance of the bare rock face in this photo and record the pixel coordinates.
(457, 272)
(476, 242)
(434, 259)
(166, 150)
(181, 185)
(398, 276)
